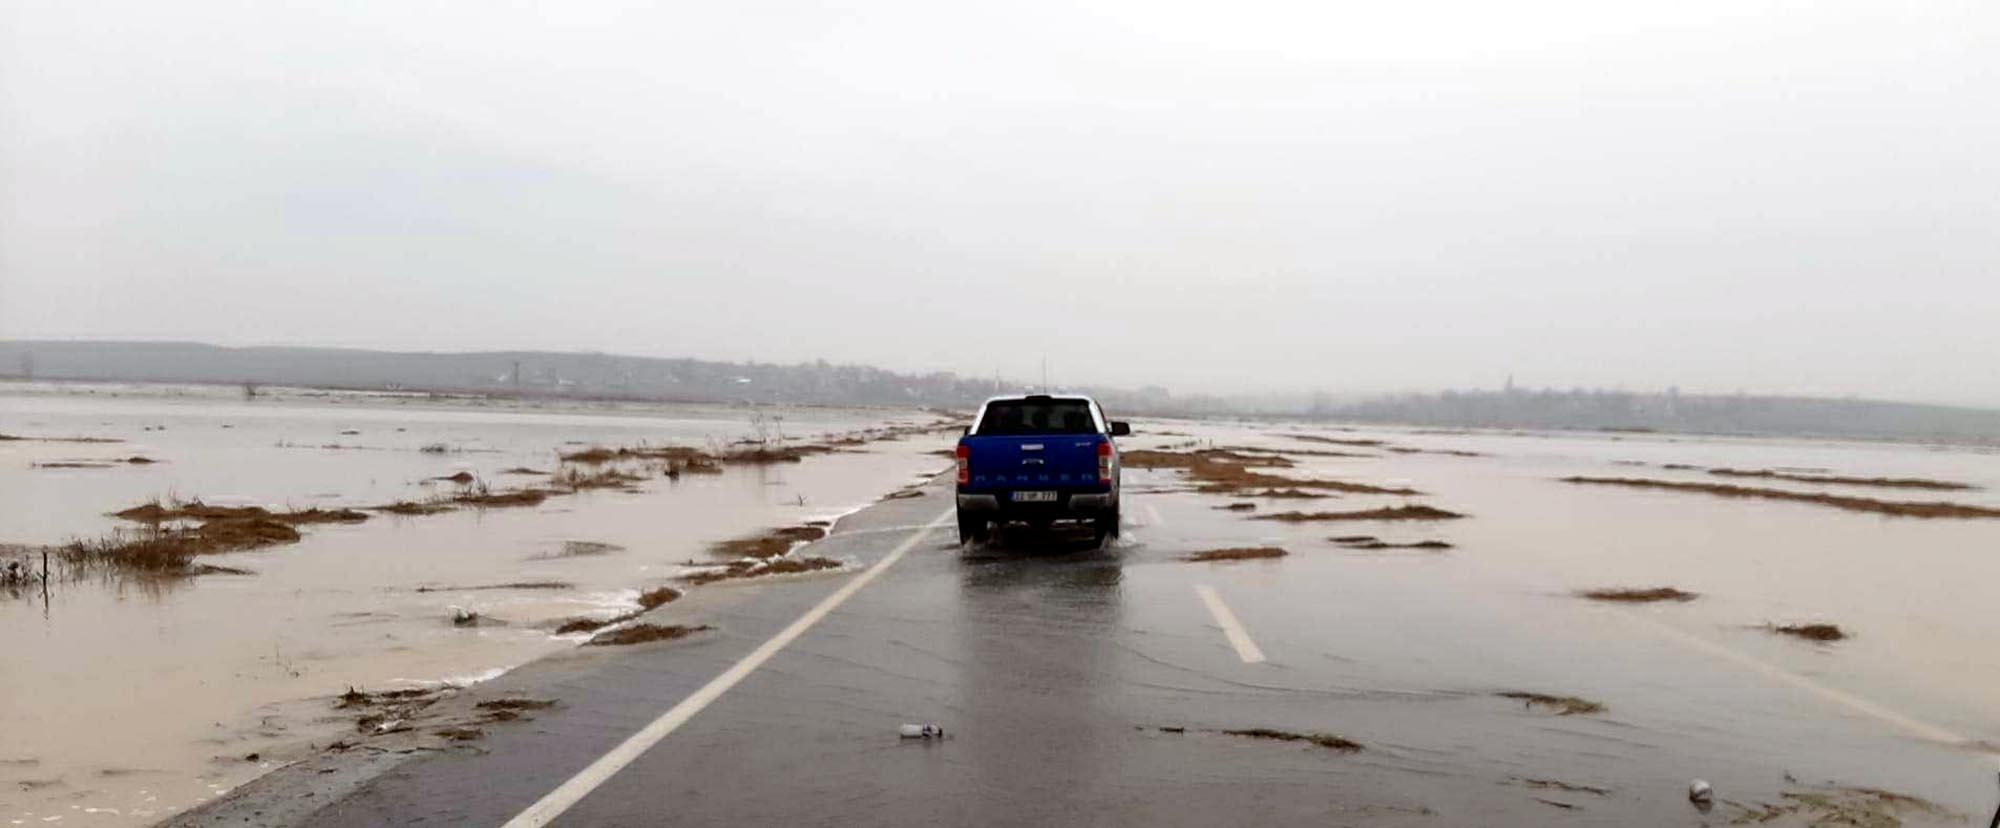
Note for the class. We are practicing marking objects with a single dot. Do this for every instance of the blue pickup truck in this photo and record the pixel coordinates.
(1038, 459)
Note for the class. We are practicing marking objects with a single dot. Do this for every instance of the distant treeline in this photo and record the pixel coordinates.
(607, 376)
(530, 374)
(1672, 411)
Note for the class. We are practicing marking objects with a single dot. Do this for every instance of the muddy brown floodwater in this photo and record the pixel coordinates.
(126, 697)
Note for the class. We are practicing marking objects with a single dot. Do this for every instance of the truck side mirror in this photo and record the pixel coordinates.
(1120, 428)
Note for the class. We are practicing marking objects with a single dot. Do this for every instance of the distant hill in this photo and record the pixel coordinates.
(1675, 412)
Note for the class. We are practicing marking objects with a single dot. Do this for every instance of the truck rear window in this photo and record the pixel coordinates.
(1006, 417)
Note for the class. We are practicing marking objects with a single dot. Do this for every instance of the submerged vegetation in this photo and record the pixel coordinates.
(1238, 554)
(1811, 632)
(1849, 503)
(1369, 542)
(1229, 471)
(769, 544)
(1835, 480)
(1411, 512)
(1639, 596)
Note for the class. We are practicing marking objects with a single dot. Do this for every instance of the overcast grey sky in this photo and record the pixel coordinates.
(1719, 194)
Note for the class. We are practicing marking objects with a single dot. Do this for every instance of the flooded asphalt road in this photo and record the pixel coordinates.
(1094, 686)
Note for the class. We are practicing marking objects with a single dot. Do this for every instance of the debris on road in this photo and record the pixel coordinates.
(643, 633)
(513, 585)
(920, 731)
(1325, 740)
(761, 568)
(770, 544)
(1562, 705)
(1700, 792)
(1566, 787)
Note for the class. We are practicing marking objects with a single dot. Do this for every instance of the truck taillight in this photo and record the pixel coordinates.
(964, 465)
(1104, 462)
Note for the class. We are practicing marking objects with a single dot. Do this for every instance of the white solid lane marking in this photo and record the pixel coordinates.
(1231, 628)
(1916, 727)
(569, 793)
(1154, 514)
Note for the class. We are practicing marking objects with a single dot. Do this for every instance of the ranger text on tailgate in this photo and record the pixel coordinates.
(1038, 459)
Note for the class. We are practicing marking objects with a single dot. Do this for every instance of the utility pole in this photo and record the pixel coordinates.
(1045, 375)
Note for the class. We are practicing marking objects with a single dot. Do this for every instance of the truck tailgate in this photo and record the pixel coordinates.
(1052, 461)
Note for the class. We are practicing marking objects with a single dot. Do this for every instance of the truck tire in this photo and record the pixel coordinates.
(971, 529)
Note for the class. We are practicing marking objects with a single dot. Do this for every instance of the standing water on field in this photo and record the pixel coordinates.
(125, 698)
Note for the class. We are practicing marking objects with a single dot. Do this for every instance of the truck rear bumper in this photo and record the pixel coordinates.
(991, 504)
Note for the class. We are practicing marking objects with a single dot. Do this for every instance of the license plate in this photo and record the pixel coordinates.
(1034, 497)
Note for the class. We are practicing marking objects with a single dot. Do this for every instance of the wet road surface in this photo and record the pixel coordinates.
(1094, 686)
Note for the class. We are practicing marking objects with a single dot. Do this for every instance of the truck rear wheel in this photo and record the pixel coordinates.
(971, 529)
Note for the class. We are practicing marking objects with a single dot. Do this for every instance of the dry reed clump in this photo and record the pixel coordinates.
(1228, 471)
(1844, 806)
(1413, 512)
(194, 510)
(1237, 554)
(1295, 452)
(1336, 441)
(583, 625)
(1835, 480)
(657, 597)
(1562, 705)
(1639, 596)
(1852, 504)
(509, 585)
(1365, 542)
(1154, 459)
(649, 600)
(572, 479)
(770, 544)
(1811, 632)
(1286, 494)
(413, 507)
(1238, 507)
(1325, 740)
(643, 633)
(482, 498)
(516, 705)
